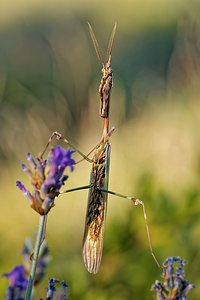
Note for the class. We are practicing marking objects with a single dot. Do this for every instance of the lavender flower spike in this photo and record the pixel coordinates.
(51, 290)
(175, 286)
(47, 178)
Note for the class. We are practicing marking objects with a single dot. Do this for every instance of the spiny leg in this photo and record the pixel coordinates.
(60, 137)
(136, 202)
(47, 145)
(85, 157)
(100, 145)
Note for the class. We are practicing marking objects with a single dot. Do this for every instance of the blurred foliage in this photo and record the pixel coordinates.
(49, 77)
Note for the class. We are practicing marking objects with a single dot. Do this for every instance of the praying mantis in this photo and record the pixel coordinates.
(92, 246)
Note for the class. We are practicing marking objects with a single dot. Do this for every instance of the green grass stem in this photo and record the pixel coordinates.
(39, 237)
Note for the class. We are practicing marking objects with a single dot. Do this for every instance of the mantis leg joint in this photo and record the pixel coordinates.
(58, 135)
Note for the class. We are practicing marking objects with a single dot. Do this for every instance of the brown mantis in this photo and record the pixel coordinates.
(97, 199)
(98, 188)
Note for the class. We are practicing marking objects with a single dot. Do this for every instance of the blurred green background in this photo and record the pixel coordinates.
(49, 78)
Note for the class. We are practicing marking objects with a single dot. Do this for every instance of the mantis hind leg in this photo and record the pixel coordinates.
(136, 202)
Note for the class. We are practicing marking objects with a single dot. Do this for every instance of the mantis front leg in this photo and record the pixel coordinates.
(59, 136)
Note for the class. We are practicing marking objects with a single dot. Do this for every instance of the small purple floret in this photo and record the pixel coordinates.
(21, 187)
(27, 171)
(45, 188)
(23, 166)
(60, 160)
(27, 194)
(65, 177)
(44, 162)
(31, 160)
(51, 289)
(17, 277)
(63, 158)
(64, 283)
(52, 283)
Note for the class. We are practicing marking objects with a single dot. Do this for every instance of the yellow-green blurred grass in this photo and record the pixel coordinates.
(154, 154)
(129, 13)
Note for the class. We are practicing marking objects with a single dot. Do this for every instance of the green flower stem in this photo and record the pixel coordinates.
(39, 237)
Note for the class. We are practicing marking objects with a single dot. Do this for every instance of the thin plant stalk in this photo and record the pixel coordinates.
(38, 241)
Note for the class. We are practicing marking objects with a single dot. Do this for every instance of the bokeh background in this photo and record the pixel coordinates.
(49, 78)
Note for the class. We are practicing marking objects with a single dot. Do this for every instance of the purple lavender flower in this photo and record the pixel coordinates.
(17, 277)
(174, 287)
(18, 283)
(51, 290)
(46, 178)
